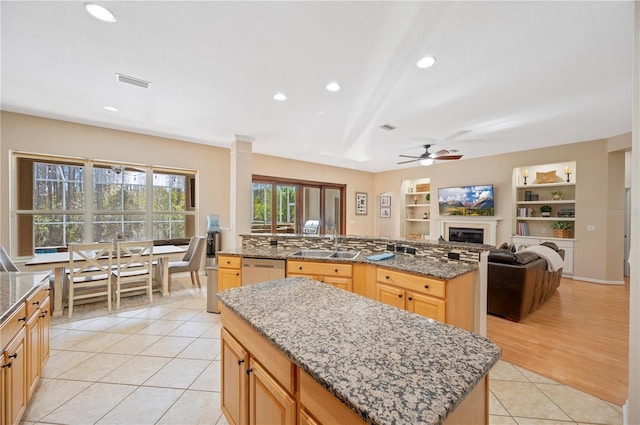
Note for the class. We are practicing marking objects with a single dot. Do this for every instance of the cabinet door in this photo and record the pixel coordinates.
(427, 306)
(234, 380)
(306, 419)
(269, 403)
(229, 278)
(339, 282)
(390, 295)
(33, 347)
(15, 378)
(45, 322)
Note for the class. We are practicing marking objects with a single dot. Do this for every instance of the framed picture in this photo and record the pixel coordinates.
(361, 203)
(385, 201)
(385, 212)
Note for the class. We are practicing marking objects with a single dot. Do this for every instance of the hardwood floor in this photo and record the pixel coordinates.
(579, 337)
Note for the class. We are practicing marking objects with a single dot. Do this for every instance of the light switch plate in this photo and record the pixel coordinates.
(591, 227)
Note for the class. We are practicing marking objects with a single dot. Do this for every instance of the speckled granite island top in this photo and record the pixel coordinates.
(387, 365)
(15, 288)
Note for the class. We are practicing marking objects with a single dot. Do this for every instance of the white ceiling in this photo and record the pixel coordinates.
(509, 75)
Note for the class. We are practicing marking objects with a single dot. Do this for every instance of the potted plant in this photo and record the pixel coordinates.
(557, 195)
(545, 210)
(562, 229)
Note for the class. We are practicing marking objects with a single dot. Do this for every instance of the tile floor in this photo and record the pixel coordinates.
(160, 364)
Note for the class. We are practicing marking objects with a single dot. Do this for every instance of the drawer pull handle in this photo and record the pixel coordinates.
(410, 298)
(228, 262)
(6, 365)
(387, 277)
(399, 295)
(36, 303)
(44, 314)
(14, 356)
(238, 274)
(240, 361)
(336, 270)
(300, 268)
(249, 371)
(22, 319)
(426, 286)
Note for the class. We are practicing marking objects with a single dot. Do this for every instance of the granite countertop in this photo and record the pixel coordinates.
(15, 288)
(420, 265)
(387, 365)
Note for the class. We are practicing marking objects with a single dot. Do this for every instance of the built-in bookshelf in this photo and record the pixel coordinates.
(417, 208)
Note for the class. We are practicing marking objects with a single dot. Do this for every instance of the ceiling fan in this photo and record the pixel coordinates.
(429, 157)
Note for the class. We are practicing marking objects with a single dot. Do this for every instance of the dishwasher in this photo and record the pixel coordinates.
(255, 270)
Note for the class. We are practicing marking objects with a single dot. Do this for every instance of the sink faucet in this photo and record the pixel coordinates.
(336, 245)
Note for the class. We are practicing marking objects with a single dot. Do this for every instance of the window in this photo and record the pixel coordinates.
(61, 201)
(285, 205)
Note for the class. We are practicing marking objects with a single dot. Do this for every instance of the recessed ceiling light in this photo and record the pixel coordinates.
(333, 86)
(280, 96)
(100, 12)
(111, 108)
(426, 62)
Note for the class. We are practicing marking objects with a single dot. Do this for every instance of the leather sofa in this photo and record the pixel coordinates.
(518, 283)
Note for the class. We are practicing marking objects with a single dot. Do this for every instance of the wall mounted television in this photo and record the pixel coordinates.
(466, 200)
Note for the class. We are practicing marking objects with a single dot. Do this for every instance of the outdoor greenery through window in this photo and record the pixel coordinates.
(65, 201)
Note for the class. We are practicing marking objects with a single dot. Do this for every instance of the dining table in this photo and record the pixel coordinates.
(58, 262)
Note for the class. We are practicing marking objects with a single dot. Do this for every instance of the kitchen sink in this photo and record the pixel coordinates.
(347, 255)
(325, 253)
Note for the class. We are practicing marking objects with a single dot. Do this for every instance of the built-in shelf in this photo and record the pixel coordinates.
(417, 205)
(418, 219)
(546, 218)
(562, 201)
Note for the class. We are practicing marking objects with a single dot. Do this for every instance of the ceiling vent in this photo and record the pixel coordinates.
(387, 127)
(133, 81)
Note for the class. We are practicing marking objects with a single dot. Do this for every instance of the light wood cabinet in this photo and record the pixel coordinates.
(14, 377)
(229, 272)
(234, 380)
(37, 329)
(269, 403)
(339, 275)
(449, 301)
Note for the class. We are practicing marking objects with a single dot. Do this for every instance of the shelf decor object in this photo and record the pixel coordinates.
(562, 229)
(361, 203)
(525, 174)
(567, 171)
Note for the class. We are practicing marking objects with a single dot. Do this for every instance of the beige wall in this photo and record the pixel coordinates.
(356, 181)
(44, 136)
(596, 193)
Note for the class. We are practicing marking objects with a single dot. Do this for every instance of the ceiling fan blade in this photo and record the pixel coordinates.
(411, 160)
(447, 157)
(408, 156)
(442, 152)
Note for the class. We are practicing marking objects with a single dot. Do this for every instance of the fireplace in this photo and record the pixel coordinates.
(466, 234)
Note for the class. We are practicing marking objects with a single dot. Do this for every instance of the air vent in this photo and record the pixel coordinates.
(387, 127)
(133, 81)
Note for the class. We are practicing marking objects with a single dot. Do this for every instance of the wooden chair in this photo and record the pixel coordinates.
(190, 262)
(134, 269)
(89, 272)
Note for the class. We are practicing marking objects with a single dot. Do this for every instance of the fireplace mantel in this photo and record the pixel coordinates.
(488, 224)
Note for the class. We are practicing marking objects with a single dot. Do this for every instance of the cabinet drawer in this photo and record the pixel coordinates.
(325, 269)
(12, 325)
(425, 285)
(34, 302)
(229, 261)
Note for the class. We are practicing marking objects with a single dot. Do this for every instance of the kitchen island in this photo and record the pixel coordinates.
(299, 351)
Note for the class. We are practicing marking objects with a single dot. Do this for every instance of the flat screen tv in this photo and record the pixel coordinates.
(466, 200)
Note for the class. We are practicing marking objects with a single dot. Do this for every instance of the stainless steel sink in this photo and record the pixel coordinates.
(325, 253)
(313, 253)
(347, 255)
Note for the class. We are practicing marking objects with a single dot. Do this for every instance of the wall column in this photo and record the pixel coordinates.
(240, 193)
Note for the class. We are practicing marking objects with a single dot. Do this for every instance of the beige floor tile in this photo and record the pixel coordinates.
(535, 378)
(168, 346)
(53, 333)
(503, 371)
(201, 348)
(69, 339)
(204, 316)
(194, 408)
(131, 325)
(129, 313)
(98, 342)
(136, 370)
(144, 406)
(178, 373)
(495, 407)
(213, 332)
(62, 361)
(524, 399)
(180, 314)
(534, 421)
(581, 407)
(160, 327)
(194, 329)
(51, 394)
(209, 380)
(501, 420)
(199, 303)
(96, 367)
(90, 405)
(222, 420)
(65, 323)
(101, 324)
(133, 344)
(157, 312)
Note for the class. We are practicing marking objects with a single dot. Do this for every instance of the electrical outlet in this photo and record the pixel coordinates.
(399, 248)
(544, 230)
(453, 256)
(273, 242)
(391, 247)
(591, 227)
(411, 250)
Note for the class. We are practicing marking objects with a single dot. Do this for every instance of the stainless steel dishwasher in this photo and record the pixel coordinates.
(255, 270)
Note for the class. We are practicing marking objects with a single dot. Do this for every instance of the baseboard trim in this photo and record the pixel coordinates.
(603, 282)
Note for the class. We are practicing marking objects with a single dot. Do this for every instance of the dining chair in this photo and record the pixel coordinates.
(134, 269)
(190, 262)
(6, 264)
(89, 272)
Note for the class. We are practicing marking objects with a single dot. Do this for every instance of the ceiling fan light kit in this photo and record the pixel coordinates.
(428, 158)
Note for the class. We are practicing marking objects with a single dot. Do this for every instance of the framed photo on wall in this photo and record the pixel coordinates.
(385, 212)
(385, 201)
(361, 203)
